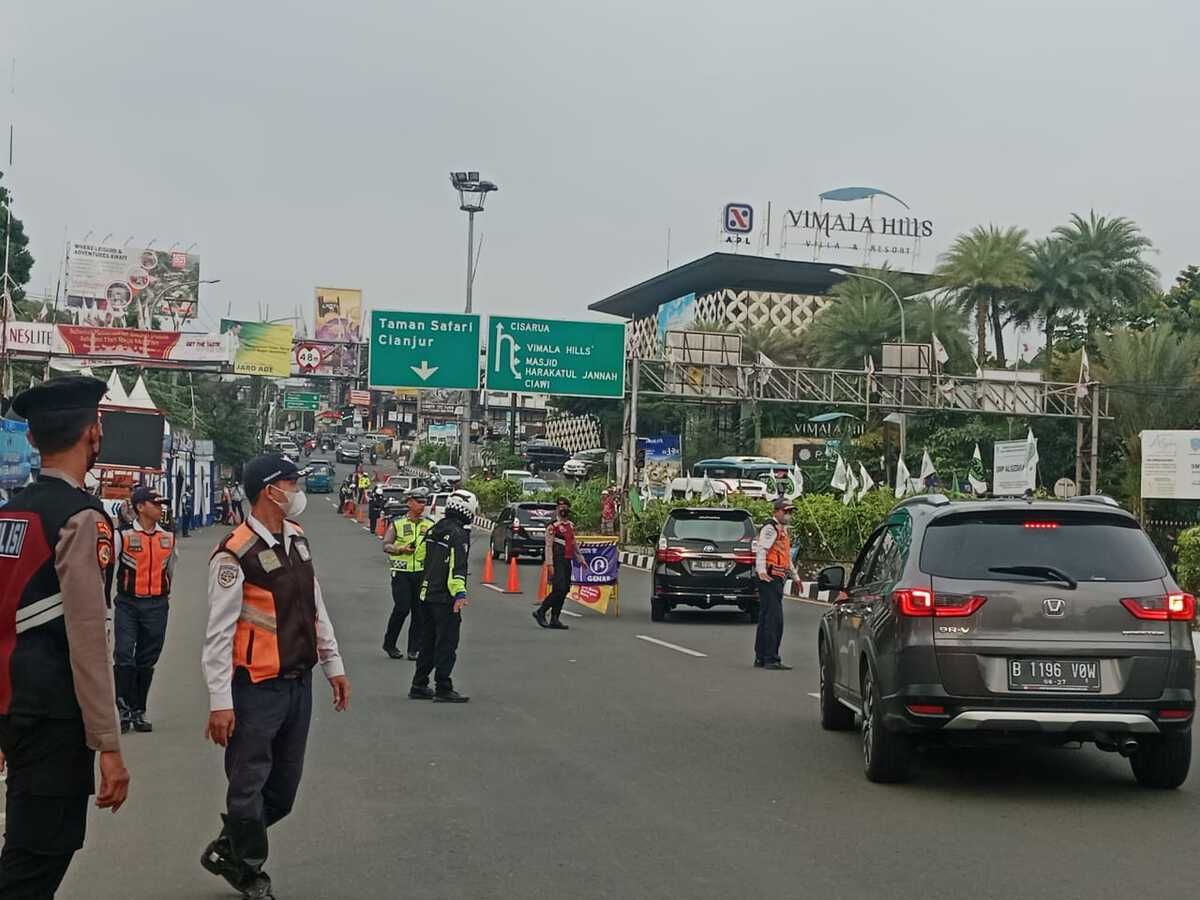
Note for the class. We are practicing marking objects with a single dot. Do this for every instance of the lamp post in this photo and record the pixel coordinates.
(472, 191)
(899, 304)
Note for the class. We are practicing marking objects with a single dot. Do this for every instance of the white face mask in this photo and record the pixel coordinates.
(296, 503)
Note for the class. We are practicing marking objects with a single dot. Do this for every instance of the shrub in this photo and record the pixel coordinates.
(1187, 569)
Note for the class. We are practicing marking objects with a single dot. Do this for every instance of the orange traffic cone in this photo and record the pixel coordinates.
(362, 515)
(543, 587)
(514, 584)
(489, 577)
(380, 527)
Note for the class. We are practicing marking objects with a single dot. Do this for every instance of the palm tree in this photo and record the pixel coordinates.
(862, 316)
(980, 269)
(1121, 277)
(1061, 282)
(929, 315)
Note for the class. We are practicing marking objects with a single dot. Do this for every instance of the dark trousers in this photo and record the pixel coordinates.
(139, 630)
(406, 600)
(560, 586)
(264, 760)
(770, 620)
(50, 777)
(373, 515)
(440, 628)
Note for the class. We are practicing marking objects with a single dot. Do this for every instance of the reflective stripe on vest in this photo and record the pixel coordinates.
(145, 557)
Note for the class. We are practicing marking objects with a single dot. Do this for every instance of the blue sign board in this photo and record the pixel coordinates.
(661, 448)
(17, 456)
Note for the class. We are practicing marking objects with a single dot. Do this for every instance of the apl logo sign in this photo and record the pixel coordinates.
(739, 218)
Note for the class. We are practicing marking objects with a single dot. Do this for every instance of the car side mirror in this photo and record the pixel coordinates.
(831, 578)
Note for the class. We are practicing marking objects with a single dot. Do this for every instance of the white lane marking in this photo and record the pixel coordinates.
(567, 612)
(814, 695)
(669, 646)
(493, 587)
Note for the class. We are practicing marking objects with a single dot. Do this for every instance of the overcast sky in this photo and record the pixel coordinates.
(302, 143)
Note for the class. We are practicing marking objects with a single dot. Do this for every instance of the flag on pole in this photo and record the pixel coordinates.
(927, 470)
(903, 479)
(977, 476)
(869, 366)
(1031, 460)
(797, 483)
(838, 481)
(706, 488)
(865, 482)
(1085, 376)
(939, 351)
(851, 487)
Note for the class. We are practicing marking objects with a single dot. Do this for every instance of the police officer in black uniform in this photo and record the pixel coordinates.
(56, 678)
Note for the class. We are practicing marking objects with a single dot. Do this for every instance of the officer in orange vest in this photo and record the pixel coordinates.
(145, 555)
(267, 630)
(772, 564)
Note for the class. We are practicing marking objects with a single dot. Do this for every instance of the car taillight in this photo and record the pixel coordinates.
(922, 602)
(1177, 607)
(669, 554)
(926, 709)
(743, 556)
(1174, 713)
(1041, 526)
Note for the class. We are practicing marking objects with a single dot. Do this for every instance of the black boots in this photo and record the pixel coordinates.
(127, 693)
(448, 695)
(238, 854)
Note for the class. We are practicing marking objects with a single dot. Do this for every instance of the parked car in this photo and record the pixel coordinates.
(1010, 622)
(586, 464)
(348, 452)
(403, 482)
(533, 486)
(319, 479)
(517, 475)
(704, 558)
(520, 530)
(542, 457)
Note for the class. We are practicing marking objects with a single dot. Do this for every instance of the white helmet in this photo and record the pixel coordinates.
(462, 505)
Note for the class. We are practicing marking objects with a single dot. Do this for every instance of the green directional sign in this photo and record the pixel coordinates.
(550, 356)
(424, 350)
(302, 400)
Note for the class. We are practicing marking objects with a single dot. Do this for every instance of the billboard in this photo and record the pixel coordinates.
(1171, 465)
(338, 315)
(104, 282)
(676, 315)
(136, 344)
(324, 358)
(1011, 474)
(259, 348)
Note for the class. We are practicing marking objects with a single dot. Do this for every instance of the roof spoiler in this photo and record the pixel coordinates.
(925, 500)
(1102, 499)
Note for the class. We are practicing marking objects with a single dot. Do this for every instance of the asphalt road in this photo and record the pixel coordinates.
(594, 763)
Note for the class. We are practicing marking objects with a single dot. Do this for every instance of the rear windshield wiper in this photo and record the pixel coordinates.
(1048, 572)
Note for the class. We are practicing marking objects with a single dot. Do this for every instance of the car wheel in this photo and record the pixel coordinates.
(752, 612)
(509, 553)
(1162, 760)
(887, 755)
(492, 548)
(658, 610)
(834, 716)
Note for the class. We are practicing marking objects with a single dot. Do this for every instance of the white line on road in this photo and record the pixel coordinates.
(644, 637)
(493, 587)
(567, 612)
(814, 695)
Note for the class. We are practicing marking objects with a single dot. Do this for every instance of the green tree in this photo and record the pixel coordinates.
(930, 315)
(1119, 279)
(20, 261)
(1181, 304)
(1061, 282)
(980, 270)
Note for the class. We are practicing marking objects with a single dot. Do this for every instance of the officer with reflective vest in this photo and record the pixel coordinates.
(267, 629)
(404, 544)
(773, 564)
(145, 554)
(56, 676)
(443, 596)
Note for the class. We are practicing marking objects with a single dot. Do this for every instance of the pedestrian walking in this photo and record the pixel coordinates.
(772, 564)
(226, 505)
(267, 629)
(404, 544)
(145, 555)
(239, 504)
(560, 551)
(188, 509)
(56, 677)
(443, 596)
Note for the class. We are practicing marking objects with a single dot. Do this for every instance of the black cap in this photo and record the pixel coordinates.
(145, 495)
(781, 503)
(70, 392)
(267, 469)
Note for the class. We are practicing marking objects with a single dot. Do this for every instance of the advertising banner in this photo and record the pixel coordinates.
(1171, 465)
(16, 454)
(662, 448)
(1010, 474)
(676, 315)
(338, 315)
(135, 344)
(595, 585)
(259, 348)
(360, 398)
(443, 431)
(103, 281)
(324, 358)
(29, 338)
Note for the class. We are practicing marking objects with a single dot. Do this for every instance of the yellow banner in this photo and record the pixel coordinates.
(259, 348)
(597, 597)
(596, 586)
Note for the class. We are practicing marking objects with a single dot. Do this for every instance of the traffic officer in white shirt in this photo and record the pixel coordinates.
(267, 629)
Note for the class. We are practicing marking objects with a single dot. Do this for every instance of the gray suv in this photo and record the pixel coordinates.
(1008, 622)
